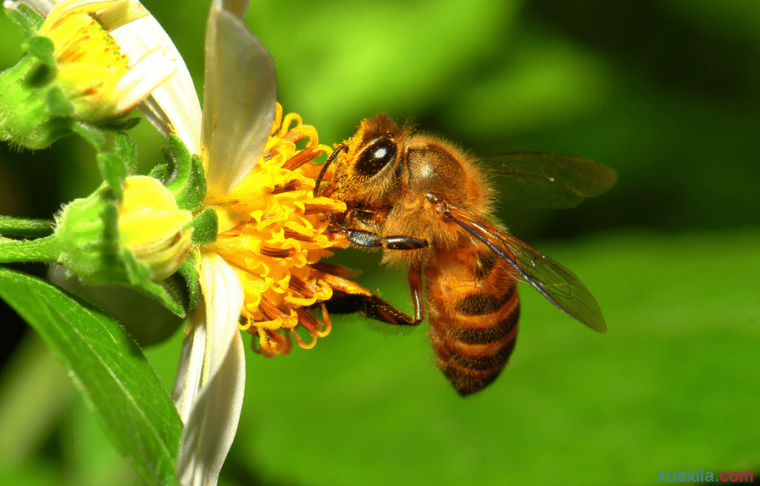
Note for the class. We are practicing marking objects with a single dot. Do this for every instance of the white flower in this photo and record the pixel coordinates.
(239, 110)
(261, 273)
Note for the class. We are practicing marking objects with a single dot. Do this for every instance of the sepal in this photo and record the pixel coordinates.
(183, 175)
(206, 227)
(28, 20)
(189, 273)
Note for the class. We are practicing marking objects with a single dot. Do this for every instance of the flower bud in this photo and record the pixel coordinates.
(74, 71)
(152, 226)
(140, 239)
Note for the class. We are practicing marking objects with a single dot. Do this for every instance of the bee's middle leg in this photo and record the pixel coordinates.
(368, 239)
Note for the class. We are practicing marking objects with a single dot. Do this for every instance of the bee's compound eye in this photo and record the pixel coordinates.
(375, 156)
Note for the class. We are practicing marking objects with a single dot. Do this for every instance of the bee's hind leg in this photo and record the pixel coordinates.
(370, 306)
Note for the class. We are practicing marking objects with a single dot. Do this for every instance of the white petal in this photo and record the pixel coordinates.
(210, 383)
(238, 7)
(143, 78)
(239, 99)
(187, 383)
(173, 107)
(213, 325)
(213, 421)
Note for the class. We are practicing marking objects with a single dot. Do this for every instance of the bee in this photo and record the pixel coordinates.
(429, 206)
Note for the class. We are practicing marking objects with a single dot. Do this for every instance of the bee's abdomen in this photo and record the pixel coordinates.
(473, 326)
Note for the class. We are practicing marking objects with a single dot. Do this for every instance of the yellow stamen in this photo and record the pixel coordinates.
(272, 230)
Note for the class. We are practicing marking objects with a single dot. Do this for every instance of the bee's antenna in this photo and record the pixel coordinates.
(324, 167)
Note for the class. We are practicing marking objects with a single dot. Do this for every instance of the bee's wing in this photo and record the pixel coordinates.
(547, 180)
(555, 282)
(239, 99)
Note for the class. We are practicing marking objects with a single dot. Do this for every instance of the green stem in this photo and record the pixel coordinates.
(27, 228)
(41, 250)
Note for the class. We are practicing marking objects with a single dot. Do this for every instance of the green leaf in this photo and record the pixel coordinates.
(109, 369)
(119, 124)
(29, 228)
(140, 278)
(160, 172)
(187, 180)
(114, 171)
(58, 104)
(90, 134)
(168, 293)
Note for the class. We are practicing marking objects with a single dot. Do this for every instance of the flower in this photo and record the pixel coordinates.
(95, 75)
(76, 68)
(152, 226)
(146, 223)
(261, 272)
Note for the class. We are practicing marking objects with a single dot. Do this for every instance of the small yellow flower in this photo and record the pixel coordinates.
(152, 226)
(91, 61)
(100, 236)
(96, 76)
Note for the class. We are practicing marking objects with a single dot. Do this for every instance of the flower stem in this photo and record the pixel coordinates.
(41, 250)
(27, 228)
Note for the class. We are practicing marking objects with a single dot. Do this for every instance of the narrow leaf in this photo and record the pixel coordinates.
(58, 104)
(114, 170)
(189, 273)
(28, 228)
(109, 369)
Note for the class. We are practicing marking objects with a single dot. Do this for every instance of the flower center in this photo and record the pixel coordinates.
(273, 232)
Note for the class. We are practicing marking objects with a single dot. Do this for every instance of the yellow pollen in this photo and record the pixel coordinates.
(272, 230)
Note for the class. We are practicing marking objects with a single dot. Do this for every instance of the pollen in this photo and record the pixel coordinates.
(274, 232)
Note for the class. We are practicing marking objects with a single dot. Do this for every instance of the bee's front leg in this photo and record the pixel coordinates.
(359, 231)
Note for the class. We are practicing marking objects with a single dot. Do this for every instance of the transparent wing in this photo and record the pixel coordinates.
(239, 98)
(547, 180)
(555, 282)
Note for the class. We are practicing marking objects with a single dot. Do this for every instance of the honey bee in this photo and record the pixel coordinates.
(428, 205)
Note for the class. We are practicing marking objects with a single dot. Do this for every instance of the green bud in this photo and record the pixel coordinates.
(129, 242)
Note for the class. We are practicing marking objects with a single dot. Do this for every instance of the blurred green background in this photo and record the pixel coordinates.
(666, 92)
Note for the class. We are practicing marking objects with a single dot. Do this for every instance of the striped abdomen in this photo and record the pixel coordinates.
(473, 309)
